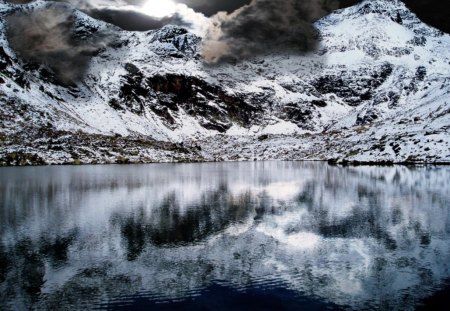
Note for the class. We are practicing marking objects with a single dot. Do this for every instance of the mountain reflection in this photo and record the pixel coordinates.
(168, 226)
(363, 237)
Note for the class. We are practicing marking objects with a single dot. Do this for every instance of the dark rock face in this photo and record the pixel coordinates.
(5, 59)
(367, 117)
(216, 109)
(170, 34)
(185, 43)
(319, 103)
(393, 99)
(421, 73)
(133, 92)
(299, 114)
(84, 31)
(354, 91)
(418, 41)
(390, 97)
(302, 113)
(397, 15)
(166, 94)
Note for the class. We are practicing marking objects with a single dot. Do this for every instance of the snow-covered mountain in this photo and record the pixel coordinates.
(377, 89)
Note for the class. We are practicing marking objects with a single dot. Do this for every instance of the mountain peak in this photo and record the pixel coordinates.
(380, 72)
(394, 9)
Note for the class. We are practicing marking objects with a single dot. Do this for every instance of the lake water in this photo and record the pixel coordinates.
(224, 236)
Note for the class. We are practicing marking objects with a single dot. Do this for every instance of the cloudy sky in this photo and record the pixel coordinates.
(150, 14)
(434, 12)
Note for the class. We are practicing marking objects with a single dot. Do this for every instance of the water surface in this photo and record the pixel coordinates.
(224, 236)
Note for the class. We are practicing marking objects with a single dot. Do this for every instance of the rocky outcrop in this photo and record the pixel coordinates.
(379, 72)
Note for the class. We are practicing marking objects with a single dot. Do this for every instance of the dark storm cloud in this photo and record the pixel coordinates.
(265, 26)
(19, 1)
(115, 12)
(433, 12)
(46, 36)
(211, 7)
(133, 20)
(119, 15)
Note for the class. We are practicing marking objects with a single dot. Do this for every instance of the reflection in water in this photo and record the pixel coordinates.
(262, 234)
(166, 226)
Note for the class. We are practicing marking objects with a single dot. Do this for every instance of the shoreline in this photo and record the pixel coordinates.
(331, 162)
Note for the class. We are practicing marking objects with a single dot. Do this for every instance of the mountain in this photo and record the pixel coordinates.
(376, 90)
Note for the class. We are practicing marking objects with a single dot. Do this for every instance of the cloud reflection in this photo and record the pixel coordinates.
(364, 237)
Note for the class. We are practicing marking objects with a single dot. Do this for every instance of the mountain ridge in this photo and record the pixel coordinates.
(376, 90)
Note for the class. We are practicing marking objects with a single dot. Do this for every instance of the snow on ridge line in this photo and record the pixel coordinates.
(370, 82)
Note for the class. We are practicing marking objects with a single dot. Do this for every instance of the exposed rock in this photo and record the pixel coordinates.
(153, 86)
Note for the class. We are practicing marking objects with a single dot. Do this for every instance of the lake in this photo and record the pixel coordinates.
(224, 236)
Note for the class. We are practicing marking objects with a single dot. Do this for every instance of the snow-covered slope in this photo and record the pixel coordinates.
(377, 89)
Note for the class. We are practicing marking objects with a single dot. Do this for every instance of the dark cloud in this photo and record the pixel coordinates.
(265, 26)
(115, 12)
(433, 12)
(118, 14)
(133, 20)
(19, 1)
(46, 36)
(211, 7)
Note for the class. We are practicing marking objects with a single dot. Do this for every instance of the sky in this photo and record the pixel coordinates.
(433, 12)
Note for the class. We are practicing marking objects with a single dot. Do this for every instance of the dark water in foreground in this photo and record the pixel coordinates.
(226, 236)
